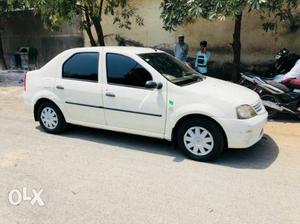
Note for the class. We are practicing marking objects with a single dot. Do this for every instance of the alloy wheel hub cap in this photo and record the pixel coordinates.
(49, 118)
(199, 141)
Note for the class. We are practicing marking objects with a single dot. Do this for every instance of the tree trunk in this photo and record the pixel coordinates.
(88, 26)
(2, 59)
(99, 31)
(236, 46)
(91, 37)
(97, 24)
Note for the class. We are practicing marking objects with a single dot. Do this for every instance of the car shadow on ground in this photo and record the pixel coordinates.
(259, 156)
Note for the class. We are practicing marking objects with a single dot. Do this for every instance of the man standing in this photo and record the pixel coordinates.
(202, 58)
(292, 78)
(181, 49)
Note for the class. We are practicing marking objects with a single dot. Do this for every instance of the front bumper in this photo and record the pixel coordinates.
(244, 133)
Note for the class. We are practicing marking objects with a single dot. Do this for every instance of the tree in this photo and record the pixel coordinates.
(180, 12)
(55, 12)
(6, 7)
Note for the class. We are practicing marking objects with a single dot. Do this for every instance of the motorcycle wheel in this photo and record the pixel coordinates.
(272, 112)
(298, 115)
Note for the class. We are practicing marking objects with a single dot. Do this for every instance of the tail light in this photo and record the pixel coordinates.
(25, 81)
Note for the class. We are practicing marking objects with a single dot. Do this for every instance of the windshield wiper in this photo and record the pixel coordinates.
(187, 80)
(191, 73)
(195, 77)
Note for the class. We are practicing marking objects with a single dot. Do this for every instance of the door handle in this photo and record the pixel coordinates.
(109, 94)
(60, 87)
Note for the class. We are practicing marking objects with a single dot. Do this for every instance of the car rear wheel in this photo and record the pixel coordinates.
(51, 118)
(200, 139)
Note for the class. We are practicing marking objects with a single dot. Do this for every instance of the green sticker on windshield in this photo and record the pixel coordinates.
(171, 102)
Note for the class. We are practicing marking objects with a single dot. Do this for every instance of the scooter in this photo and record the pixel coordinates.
(249, 79)
(285, 61)
(276, 97)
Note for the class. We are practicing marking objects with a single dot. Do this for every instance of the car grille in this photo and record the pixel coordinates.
(258, 107)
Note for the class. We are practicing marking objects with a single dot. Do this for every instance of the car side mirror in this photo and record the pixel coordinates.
(159, 85)
(153, 85)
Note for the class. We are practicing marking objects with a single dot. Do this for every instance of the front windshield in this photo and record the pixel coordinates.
(172, 69)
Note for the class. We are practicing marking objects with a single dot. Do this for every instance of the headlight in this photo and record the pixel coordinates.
(245, 112)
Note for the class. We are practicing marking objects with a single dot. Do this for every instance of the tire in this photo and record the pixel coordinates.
(191, 135)
(51, 118)
(272, 112)
(298, 113)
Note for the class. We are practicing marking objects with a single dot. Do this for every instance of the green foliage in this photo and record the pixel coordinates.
(123, 18)
(180, 12)
(7, 6)
(294, 24)
(112, 5)
(56, 12)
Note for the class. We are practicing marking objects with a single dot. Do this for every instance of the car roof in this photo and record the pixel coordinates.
(117, 49)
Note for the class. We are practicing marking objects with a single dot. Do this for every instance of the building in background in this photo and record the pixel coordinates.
(257, 44)
(25, 29)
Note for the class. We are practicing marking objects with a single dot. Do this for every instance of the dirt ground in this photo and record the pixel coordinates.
(96, 176)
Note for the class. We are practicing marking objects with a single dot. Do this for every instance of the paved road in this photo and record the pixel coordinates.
(94, 176)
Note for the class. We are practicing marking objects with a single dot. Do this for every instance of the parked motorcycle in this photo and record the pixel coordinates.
(285, 61)
(276, 97)
(248, 79)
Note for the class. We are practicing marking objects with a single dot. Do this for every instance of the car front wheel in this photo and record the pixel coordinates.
(51, 118)
(200, 139)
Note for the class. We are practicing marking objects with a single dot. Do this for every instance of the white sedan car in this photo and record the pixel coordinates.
(146, 92)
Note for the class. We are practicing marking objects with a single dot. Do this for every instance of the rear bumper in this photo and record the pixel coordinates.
(27, 102)
(244, 133)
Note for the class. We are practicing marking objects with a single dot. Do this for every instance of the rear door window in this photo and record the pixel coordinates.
(82, 66)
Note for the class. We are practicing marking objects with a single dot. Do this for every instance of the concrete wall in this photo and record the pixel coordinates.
(23, 28)
(257, 44)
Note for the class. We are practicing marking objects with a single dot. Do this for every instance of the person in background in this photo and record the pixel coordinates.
(181, 49)
(202, 58)
(292, 78)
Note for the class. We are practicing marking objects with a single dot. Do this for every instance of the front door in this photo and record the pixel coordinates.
(128, 104)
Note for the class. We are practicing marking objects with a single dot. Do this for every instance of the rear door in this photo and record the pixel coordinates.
(81, 89)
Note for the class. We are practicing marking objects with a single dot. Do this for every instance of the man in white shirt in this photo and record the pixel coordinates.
(292, 78)
(181, 49)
